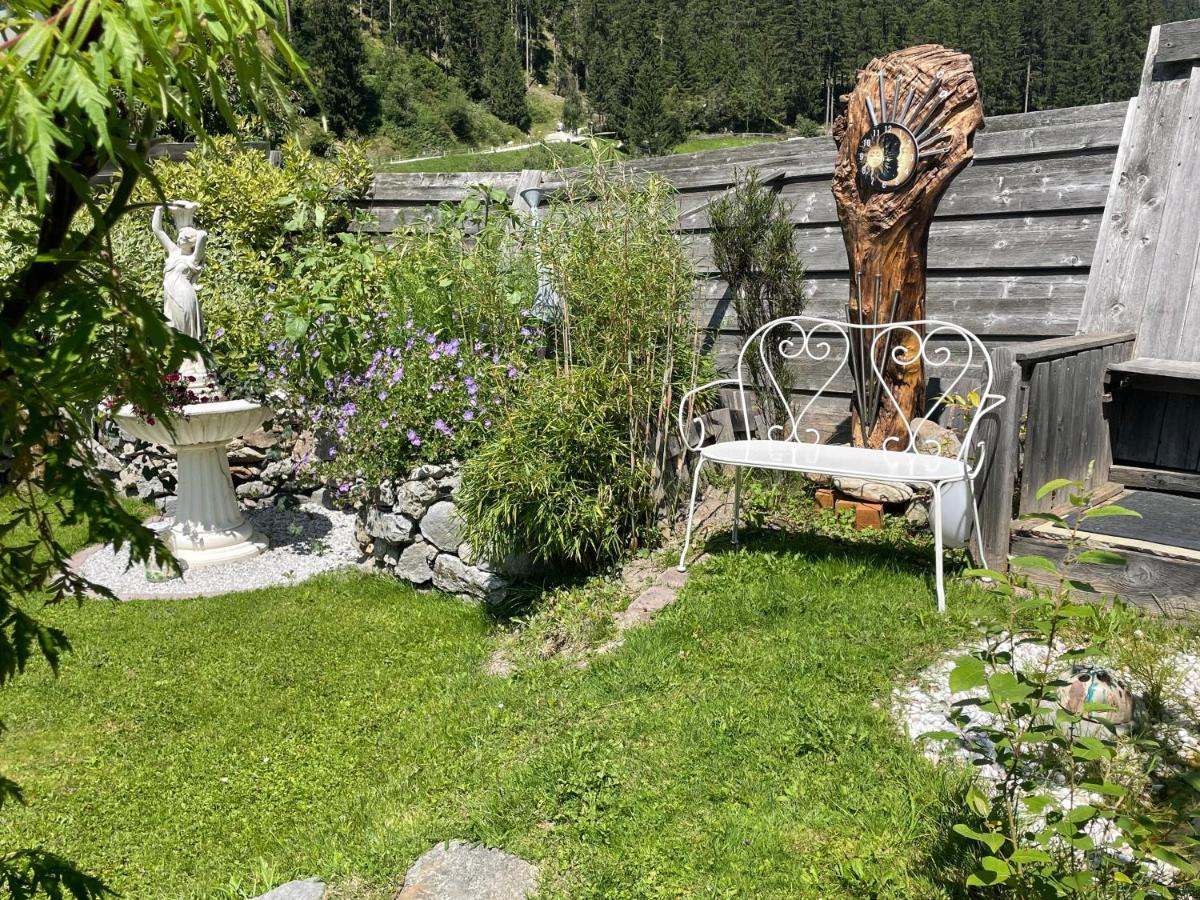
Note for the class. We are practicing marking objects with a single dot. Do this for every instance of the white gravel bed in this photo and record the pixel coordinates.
(304, 541)
(926, 706)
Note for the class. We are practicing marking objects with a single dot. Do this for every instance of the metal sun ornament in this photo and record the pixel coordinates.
(902, 132)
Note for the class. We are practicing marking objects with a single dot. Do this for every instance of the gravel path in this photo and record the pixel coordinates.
(304, 541)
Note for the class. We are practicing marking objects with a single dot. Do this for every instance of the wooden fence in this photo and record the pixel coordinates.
(1009, 251)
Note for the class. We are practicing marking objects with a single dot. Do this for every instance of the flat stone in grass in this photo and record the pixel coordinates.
(457, 870)
(308, 889)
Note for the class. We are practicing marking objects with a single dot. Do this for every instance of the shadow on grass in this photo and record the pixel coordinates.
(907, 554)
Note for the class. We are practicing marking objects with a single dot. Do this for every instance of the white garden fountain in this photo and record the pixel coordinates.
(209, 525)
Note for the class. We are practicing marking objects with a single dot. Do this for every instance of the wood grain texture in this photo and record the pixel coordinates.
(1129, 234)
(986, 303)
(1178, 42)
(1164, 584)
(1153, 479)
(1053, 241)
(1170, 291)
(997, 481)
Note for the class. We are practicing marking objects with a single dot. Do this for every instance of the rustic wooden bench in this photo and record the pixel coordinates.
(847, 357)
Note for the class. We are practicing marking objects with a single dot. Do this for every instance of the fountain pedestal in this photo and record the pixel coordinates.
(209, 525)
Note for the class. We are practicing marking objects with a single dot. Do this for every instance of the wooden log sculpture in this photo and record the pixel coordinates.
(908, 129)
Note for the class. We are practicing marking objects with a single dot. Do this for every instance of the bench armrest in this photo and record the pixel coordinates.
(1056, 348)
(686, 406)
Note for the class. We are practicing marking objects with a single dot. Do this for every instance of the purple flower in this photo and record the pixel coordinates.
(468, 415)
(316, 354)
(383, 423)
(332, 452)
(487, 423)
(435, 355)
(219, 333)
(525, 332)
(442, 427)
(512, 373)
(398, 374)
(414, 438)
(382, 395)
(343, 488)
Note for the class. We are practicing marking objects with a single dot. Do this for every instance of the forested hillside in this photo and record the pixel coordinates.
(653, 70)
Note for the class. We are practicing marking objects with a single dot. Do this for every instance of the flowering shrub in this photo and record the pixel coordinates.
(422, 397)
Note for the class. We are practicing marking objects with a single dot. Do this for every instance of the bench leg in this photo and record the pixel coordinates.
(687, 540)
(937, 547)
(737, 502)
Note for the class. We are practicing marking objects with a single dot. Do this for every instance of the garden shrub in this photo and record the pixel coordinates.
(576, 474)
(407, 353)
(754, 249)
(556, 480)
(258, 215)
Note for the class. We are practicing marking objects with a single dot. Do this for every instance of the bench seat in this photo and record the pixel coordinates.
(837, 459)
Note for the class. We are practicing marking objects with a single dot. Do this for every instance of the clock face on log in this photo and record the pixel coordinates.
(887, 157)
(902, 132)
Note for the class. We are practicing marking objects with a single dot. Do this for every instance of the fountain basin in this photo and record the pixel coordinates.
(209, 525)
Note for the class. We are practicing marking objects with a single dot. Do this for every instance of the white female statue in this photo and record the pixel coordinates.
(185, 259)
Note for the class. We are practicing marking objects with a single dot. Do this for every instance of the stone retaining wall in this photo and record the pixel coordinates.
(264, 464)
(411, 528)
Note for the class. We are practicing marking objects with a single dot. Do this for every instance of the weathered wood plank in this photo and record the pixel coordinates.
(1038, 438)
(1156, 480)
(1164, 584)
(1057, 183)
(1173, 273)
(1178, 42)
(1059, 240)
(1133, 216)
(996, 303)
(999, 432)
(1056, 347)
(1159, 368)
(424, 187)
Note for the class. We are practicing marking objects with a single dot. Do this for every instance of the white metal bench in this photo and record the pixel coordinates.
(851, 357)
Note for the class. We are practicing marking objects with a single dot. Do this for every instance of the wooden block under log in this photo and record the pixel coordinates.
(867, 514)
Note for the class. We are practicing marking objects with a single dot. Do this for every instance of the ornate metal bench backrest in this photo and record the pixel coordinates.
(835, 357)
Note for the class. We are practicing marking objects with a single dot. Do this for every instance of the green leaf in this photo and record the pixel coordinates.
(1056, 485)
(993, 841)
(295, 328)
(1048, 517)
(1033, 562)
(1007, 688)
(978, 802)
(1025, 855)
(991, 871)
(1101, 512)
(1101, 558)
(1081, 814)
(968, 673)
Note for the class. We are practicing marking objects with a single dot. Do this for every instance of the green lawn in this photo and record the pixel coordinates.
(539, 157)
(559, 154)
(739, 746)
(722, 142)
